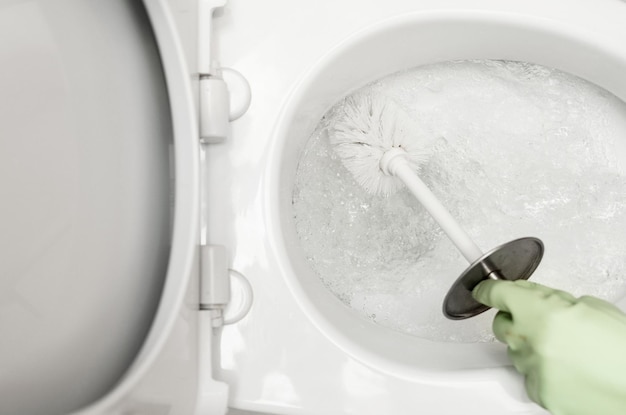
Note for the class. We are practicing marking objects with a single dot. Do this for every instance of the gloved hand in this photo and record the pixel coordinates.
(571, 350)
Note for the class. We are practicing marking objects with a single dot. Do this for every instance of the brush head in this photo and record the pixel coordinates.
(363, 128)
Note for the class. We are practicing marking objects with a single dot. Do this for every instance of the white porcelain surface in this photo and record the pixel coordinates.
(299, 350)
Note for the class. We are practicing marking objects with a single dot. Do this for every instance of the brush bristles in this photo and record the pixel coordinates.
(363, 129)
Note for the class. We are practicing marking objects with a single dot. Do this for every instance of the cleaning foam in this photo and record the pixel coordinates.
(517, 150)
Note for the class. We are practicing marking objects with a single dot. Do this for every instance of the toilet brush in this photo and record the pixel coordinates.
(375, 141)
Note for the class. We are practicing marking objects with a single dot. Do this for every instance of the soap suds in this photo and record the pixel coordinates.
(518, 150)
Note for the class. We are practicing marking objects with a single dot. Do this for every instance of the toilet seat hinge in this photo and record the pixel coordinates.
(215, 296)
(214, 281)
(224, 97)
(225, 293)
(224, 93)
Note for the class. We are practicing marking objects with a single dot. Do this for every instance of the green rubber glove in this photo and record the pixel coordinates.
(571, 350)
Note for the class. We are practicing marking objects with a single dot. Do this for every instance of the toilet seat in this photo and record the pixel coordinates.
(289, 356)
(105, 211)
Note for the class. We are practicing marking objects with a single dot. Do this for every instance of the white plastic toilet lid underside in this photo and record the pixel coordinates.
(85, 137)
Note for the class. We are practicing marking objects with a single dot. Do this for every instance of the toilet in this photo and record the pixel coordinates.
(150, 260)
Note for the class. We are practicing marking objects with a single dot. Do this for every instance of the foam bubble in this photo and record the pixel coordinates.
(519, 150)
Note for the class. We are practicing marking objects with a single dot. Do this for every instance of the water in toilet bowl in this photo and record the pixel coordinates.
(517, 150)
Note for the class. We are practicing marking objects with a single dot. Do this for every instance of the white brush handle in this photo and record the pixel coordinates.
(400, 168)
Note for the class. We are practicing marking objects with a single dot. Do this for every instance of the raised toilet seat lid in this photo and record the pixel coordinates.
(89, 228)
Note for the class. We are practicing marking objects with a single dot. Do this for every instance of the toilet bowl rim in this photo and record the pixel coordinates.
(599, 40)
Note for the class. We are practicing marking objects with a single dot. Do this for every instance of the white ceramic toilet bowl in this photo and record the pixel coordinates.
(320, 357)
(117, 327)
